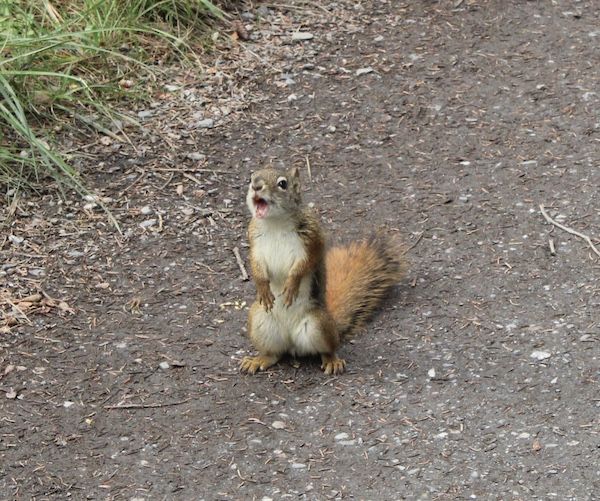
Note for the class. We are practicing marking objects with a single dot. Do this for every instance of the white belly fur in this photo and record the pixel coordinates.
(290, 329)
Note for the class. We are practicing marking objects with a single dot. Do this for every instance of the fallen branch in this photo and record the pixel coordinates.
(587, 239)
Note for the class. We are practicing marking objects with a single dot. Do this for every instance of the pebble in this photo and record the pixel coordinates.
(431, 373)
(540, 355)
(207, 123)
(299, 36)
(341, 436)
(67, 404)
(146, 209)
(171, 88)
(148, 223)
(364, 71)
(263, 11)
(298, 466)
(278, 425)
(164, 365)
(196, 156)
(15, 239)
(144, 113)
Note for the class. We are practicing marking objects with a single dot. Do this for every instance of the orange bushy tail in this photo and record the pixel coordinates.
(358, 277)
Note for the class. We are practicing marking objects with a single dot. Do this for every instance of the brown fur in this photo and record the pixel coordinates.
(357, 278)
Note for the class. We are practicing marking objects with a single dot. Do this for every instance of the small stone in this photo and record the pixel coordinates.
(298, 466)
(207, 123)
(540, 355)
(144, 113)
(341, 436)
(431, 373)
(16, 240)
(164, 365)
(148, 223)
(278, 425)
(171, 88)
(198, 157)
(299, 36)
(68, 403)
(364, 71)
(146, 210)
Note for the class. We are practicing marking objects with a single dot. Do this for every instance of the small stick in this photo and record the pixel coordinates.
(552, 248)
(146, 406)
(19, 310)
(569, 230)
(240, 263)
(416, 242)
(192, 178)
(308, 168)
(192, 169)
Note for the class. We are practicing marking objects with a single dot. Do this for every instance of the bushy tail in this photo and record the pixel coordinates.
(358, 277)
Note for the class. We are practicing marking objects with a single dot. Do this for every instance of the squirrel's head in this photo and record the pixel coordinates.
(274, 193)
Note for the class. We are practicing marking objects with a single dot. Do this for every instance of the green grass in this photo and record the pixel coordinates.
(61, 62)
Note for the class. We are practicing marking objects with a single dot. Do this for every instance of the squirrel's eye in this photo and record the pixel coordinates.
(282, 184)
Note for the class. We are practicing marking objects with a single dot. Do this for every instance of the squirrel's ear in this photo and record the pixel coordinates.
(294, 172)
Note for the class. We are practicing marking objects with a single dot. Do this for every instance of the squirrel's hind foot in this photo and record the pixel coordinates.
(251, 365)
(332, 365)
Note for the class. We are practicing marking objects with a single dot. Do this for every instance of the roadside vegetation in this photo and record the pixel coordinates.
(65, 64)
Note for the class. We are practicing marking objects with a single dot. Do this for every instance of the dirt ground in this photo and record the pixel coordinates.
(449, 121)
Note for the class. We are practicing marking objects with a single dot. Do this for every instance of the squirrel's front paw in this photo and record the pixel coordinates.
(265, 296)
(290, 291)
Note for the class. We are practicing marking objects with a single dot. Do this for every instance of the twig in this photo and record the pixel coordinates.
(416, 242)
(19, 310)
(240, 263)
(192, 178)
(192, 169)
(569, 230)
(146, 406)
(308, 168)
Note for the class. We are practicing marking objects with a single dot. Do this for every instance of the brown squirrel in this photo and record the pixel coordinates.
(308, 298)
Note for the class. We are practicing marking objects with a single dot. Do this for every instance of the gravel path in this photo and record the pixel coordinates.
(450, 121)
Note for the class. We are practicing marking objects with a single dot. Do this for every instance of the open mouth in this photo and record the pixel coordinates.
(262, 207)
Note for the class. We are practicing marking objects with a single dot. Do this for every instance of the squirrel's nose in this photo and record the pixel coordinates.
(257, 185)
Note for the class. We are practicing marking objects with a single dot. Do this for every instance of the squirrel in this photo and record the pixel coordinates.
(308, 298)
